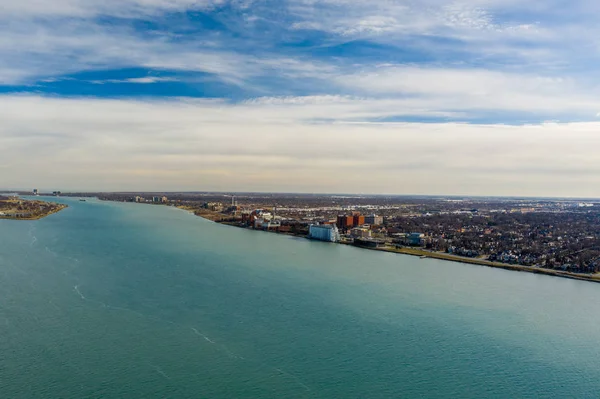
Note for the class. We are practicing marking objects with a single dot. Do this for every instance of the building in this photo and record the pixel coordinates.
(358, 220)
(261, 219)
(213, 206)
(360, 232)
(264, 224)
(327, 233)
(156, 199)
(234, 209)
(17, 215)
(164, 200)
(415, 239)
(345, 222)
(374, 220)
(35, 191)
(246, 217)
(349, 221)
(260, 214)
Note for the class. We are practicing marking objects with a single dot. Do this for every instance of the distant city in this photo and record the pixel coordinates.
(546, 234)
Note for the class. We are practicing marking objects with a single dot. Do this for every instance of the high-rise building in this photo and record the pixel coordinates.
(35, 191)
(344, 222)
(358, 220)
(374, 220)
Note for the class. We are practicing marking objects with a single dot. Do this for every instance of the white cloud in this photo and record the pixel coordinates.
(143, 80)
(149, 79)
(86, 8)
(470, 90)
(213, 145)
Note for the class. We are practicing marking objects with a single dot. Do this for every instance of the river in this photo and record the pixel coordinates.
(111, 300)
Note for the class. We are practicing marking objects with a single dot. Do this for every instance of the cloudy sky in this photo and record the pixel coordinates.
(468, 97)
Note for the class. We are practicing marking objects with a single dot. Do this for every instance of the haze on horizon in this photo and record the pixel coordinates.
(477, 97)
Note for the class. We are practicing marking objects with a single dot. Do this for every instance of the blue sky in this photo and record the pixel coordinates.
(474, 97)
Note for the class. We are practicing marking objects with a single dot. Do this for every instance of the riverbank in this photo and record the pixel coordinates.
(203, 213)
(482, 262)
(595, 278)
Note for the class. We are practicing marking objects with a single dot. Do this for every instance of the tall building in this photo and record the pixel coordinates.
(344, 222)
(35, 191)
(358, 220)
(327, 233)
(374, 220)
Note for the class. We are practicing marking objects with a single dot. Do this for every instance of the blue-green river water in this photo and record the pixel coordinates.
(107, 300)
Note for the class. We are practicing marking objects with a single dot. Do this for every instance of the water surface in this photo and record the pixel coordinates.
(107, 300)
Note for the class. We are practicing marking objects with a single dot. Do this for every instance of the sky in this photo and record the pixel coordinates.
(467, 97)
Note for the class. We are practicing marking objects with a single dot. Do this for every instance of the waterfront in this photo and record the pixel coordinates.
(549, 236)
(120, 300)
(423, 253)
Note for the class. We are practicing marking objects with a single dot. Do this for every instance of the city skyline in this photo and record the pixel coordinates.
(481, 97)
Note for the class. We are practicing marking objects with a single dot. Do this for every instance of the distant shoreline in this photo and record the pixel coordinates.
(213, 217)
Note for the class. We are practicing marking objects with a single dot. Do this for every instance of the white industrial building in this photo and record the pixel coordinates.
(324, 232)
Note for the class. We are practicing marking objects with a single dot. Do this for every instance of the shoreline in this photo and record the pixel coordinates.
(482, 262)
(421, 253)
(37, 217)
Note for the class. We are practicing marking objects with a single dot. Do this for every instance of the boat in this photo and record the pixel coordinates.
(423, 257)
(82, 199)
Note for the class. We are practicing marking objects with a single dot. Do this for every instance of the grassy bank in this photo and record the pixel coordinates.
(203, 213)
(482, 262)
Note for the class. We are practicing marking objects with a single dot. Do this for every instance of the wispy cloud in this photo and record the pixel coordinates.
(143, 80)
(473, 90)
(76, 48)
(119, 8)
(350, 17)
